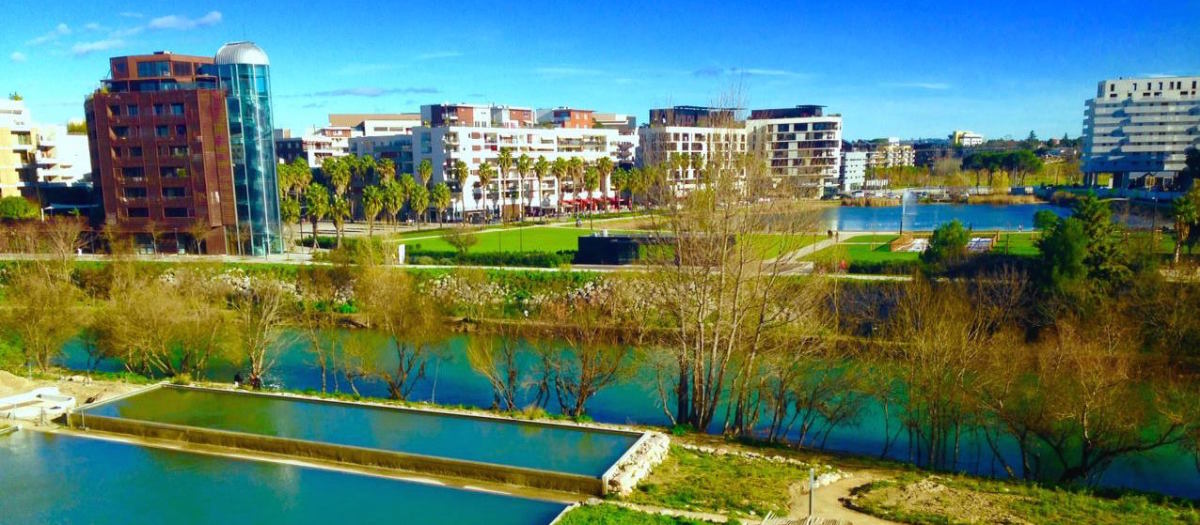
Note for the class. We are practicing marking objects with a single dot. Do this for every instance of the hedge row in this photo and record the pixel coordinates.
(527, 259)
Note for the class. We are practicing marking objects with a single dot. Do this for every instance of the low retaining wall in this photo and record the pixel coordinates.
(343, 454)
(637, 462)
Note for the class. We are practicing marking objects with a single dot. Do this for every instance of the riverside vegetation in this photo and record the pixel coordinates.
(1057, 369)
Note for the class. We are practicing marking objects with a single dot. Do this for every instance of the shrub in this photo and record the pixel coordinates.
(527, 259)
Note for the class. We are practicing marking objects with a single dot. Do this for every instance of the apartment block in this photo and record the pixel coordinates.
(802, 144)
(476, 134)
(36, 159)
(398, 148)
(853, 171)
(376, 124)
(891, 153)
(183, 151)
(1138, 127)
(677, 136)
(966, 139)
(564, 117)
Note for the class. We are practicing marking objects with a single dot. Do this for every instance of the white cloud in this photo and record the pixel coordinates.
(131, 14)
(59, 30)
(184, 23)
(93, 26)
(937, 86)
(17, 56)
(84, 48)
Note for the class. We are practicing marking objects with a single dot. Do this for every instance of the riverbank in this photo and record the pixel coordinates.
(709, 478)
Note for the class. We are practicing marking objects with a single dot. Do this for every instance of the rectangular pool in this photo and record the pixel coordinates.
(543, 447)
(53, 478)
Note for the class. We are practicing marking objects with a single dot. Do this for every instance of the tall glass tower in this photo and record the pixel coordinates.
(243, 71)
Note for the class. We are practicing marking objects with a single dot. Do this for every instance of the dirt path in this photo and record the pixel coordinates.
(827, 501)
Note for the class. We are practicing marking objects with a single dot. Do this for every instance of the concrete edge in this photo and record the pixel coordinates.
(625, 456)
(403, 461)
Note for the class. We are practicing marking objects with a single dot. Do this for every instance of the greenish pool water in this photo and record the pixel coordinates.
(558, 449)
(48, 478)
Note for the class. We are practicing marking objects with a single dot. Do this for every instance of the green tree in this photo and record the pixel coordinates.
(461, 174)
(575, 167)
(1044, 220)
(441, 198)
(541, 168)
(1106, 258)
(559, 170)
(486, 173)
(591, 181)
(339, 211)
(1191, 170)
(386, 170)
(425, 170)
(605, 167)
(17, 208)
(405, 187)
(524, 166)
(418, 200)
(16, 97)
(1183, 210)
(374, 200)
(947, 246)
(337, 173)
(316, 204)
(1062, 255)
(505, 163)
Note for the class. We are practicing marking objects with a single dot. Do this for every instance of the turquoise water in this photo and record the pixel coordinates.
(450, 380)
(926, 217)
(553, 448)
(47, 478)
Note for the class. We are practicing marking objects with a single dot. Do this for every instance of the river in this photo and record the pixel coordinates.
(450, 380)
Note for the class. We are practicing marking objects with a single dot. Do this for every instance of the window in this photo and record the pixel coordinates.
(173, 171)
(114, 111)
(174, 193)
(178, 151)
(181, 130)
(121, 131)
(131, 111)
(154, 69)
(158, 109)
(139, 212)
(161, 131)
(132, 173)
(135, 151)
(182, 69)
(175, 213)
(177, 108)
(135, 193)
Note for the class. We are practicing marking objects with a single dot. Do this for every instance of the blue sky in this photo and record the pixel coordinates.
(915, 70)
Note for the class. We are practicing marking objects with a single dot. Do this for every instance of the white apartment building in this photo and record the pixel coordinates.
(802, 145)
(966, 139)
(659, 144)
(1140, 126)
(853, 171)
(33, 156)
(376, 124)
(476, 134)
(399, 148)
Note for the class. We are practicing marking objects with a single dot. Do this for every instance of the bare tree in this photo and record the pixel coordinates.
(259, 314)
(411, 324)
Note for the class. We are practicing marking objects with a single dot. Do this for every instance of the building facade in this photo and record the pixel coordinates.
(966, 139)
(476, 134)
(36, 159)
(891, 153)
(853, 171)
(1140, 127)
(802, 144)
(161, 136)
(244, 74)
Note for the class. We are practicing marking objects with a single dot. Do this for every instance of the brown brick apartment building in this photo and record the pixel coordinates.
(159, 141)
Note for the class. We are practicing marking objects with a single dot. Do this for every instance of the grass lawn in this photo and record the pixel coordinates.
(529, 239)
(606, 514)
(692, 480)
(863, 253)
(970, 500)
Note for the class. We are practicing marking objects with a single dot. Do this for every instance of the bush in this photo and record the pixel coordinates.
(527, 259)
(17, 208)
(883, 267)
(181, 379)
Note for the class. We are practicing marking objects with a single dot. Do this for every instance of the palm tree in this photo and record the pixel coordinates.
(316, 204)
(441, 198)
(337, 172)
(504, 162)
(1183, 210)
(524, 165)
(425, 171)
(418, 200)
(575, 167)
(339, 211)
(697, 162)
(386, 169)
(486, 174)
(541, 168)
(374, 197)
(591, 181)
(560, 170)
(393, 199)
(461, 174)
(604, 166)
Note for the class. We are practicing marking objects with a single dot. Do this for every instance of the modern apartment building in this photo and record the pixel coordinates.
(34, 158)
(183, 151)
(687, 133)
(802, 144)
(853, 171)
(376, 124)
(966, 139)
(891, 153)
(316, 146)
(1138, 127)
(564, 117)
(398, 148)
(627, 138)
(476, 134)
